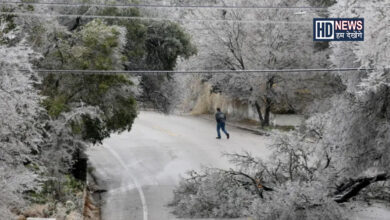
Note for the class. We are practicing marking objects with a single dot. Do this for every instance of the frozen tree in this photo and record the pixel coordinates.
(20, 134)
(97, 46)
(38, 147)
(355, 130)
(165, 43)
(42, 136)
(283, 41)
(92, 45)
(14, 180)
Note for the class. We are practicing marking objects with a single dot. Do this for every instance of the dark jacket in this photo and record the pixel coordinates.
(220, 117)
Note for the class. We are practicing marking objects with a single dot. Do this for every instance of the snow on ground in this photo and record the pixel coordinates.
(376, 211)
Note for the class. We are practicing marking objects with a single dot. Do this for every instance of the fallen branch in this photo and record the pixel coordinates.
(259, 187)
(354, 186)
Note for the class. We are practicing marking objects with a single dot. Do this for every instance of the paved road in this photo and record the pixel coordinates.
(141, 168)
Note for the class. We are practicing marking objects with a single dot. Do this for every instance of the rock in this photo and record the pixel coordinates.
(21, 217)
(36, 211)
(70, 205)
(74, 216)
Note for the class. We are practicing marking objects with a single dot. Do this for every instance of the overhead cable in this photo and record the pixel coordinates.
(142, 72)
(153, 18)
(65, 4)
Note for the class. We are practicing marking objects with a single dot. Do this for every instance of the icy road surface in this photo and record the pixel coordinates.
(141, 168)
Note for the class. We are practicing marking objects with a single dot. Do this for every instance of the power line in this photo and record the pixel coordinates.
(64, 4)
(153, 18)
(146, 72)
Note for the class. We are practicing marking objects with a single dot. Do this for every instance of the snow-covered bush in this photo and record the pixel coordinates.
(296, 201)
(212, 194)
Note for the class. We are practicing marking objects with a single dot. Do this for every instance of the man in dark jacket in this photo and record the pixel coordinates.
(220, 117)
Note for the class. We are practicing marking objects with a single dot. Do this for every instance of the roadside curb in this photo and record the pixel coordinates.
(256, 131)
(92, 198)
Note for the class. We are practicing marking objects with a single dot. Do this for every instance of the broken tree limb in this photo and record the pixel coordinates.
(354, 186)
(253, 181)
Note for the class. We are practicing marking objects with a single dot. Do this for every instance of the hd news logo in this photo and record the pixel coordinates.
(338, 29)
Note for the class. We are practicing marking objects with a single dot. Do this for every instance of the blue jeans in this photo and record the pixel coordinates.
(221, 125)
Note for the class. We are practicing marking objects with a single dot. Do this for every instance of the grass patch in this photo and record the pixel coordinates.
(56, 190)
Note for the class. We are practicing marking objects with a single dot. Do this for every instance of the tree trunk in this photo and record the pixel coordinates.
(267, 113)
(268, 100)
(258, 109)
(354, 186)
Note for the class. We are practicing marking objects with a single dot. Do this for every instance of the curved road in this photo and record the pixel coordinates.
(141, 168)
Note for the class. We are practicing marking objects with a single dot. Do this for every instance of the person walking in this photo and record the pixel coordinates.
(220, 117)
